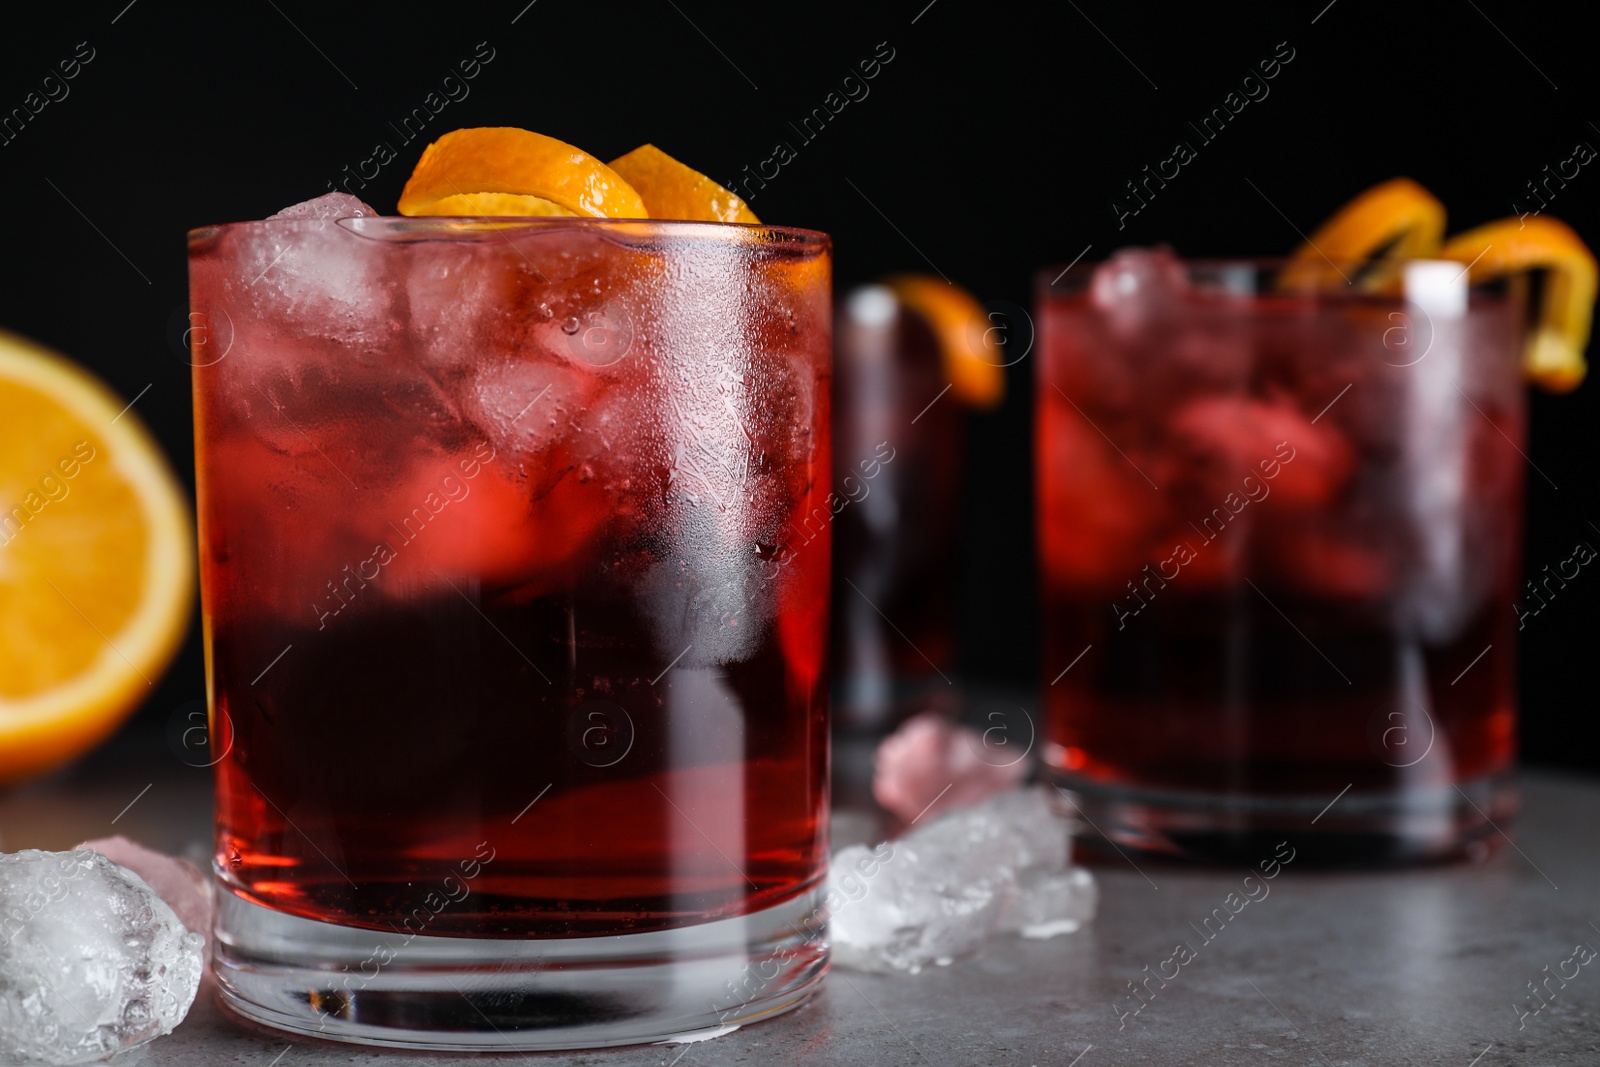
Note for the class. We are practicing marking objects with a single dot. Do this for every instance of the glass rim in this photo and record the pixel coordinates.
(1055, 279)
(406, 228)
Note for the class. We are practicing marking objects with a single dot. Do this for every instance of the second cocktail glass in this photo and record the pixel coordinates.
(1279, 534)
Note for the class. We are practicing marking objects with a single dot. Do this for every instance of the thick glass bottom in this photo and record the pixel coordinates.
(1354, 829)
(340, 983)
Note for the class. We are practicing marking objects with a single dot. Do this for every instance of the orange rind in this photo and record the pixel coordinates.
(672, 190)
(971, 355)
(1553, 358)
(507, 160)
(1385, 226)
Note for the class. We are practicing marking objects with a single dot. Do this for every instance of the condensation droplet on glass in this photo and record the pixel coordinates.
(570, 325)
(545, 310)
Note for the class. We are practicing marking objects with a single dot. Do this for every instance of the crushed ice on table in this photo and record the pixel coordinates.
(1051, 902)
(932, 763)
(93, 961)
(177, 881)
(940, 891)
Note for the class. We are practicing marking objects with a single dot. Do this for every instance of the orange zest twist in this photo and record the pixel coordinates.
(1394, 221)
(972, 360)
(1554, 356)
(559, 179)
(674, 191)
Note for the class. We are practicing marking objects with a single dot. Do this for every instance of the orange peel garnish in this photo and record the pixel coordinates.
(972, 359)
(496, 205)
(672, 190)
(1554, 356)
(507, 160)
(1394, 221)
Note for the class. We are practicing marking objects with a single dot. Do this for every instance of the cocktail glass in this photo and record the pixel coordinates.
(515, 656)
(1279, 537)
(896, 515)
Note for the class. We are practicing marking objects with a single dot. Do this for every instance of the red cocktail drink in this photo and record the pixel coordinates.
(1282, 532)
(516, 664)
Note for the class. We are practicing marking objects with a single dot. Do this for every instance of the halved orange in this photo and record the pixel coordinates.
(1392, 222)
(504, 159)
(1554, 356)
(674, 191)
(96, 560)
(972, 359)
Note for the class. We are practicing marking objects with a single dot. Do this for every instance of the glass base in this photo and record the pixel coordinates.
(1416, 825)
(341, 983)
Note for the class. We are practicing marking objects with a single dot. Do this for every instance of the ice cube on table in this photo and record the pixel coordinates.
(908, 920)
(931, 764)
(1051, 902)
(177, 881)
(93, 961)
(941, 890)
(1041, 835)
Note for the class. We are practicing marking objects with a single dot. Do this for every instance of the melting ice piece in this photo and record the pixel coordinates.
(94, 962)
(1051, 902)
(327, 206)
(941, 890)
(175, 880)
(932, 764)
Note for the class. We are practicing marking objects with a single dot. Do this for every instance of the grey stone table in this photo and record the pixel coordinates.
(1424, 966)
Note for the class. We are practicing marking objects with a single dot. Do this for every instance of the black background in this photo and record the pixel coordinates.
(991, 145)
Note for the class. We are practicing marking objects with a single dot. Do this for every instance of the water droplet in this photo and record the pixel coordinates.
(545, 311)
(570, 325)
